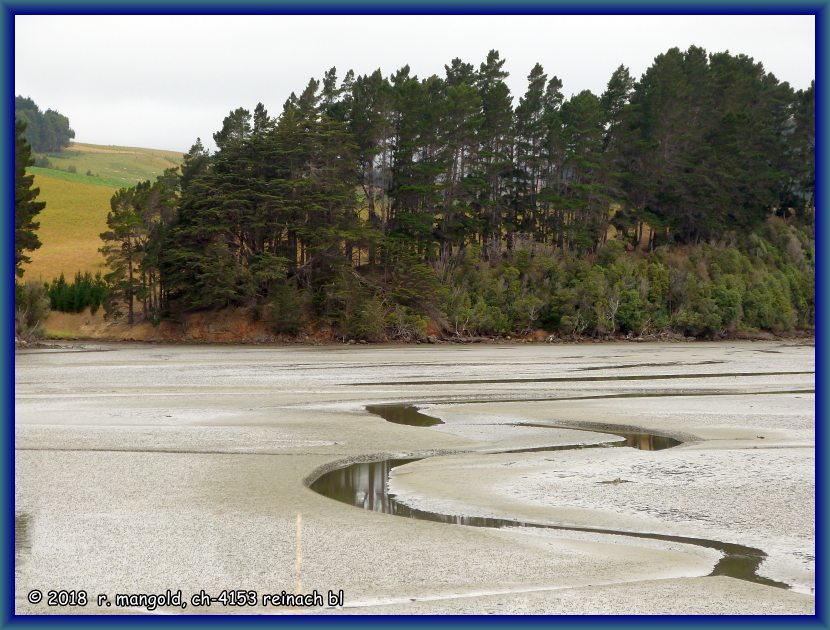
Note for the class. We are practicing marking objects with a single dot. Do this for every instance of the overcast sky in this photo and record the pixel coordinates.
(161, 81)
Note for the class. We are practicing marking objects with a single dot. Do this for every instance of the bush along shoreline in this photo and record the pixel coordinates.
(760, 286)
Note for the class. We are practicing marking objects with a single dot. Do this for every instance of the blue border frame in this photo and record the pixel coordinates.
(9, 8)
(822, 236)
(7, 302)
(408, 7)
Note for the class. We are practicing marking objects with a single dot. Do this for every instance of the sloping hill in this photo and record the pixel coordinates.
(112, 165)
(77, 189)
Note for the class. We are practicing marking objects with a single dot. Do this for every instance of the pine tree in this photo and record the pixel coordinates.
(531, 130)
(369, 118)
(195, 161)
(614, 101)
(799, 189)
(122, 248)
(461, 120)
(25, 206)
(552, 220)
(494, 158)
(584, 198)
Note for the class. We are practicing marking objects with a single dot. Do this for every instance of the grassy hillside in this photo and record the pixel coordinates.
(111, 165)
(74, 216)
(77, 203)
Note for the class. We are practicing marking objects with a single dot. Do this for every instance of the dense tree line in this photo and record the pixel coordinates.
(46, 132)
(373, 204)
(85, 291)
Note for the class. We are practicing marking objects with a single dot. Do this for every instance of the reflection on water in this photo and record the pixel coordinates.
(648, 442)
(363, 485)
(366, 485)
(631, 439)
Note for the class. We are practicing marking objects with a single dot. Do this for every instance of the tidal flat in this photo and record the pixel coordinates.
(145, 467)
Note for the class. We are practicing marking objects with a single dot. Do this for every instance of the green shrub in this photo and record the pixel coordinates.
(610, 252)
(287, 309)
(366, 319)
(406, 324)
(728, 302)
(630, 314)
(763, 280)
(84, 291)
(525, 311)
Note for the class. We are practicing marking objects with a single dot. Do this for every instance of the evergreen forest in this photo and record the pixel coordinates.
(391, 207)
(45, 132)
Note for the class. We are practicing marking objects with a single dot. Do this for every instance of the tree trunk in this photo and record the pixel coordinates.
(130, 316)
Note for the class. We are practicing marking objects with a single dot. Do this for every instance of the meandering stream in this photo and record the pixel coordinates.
(365, 485)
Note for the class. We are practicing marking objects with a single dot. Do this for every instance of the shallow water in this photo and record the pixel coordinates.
(411, 415)
(404, 414)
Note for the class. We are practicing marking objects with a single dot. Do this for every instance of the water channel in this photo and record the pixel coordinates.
(366, 485)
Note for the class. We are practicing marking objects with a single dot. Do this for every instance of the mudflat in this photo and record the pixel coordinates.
(142, 468)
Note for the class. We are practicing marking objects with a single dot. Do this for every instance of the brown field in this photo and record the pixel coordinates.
(70, 225)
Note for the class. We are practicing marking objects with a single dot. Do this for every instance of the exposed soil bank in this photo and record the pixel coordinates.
(235, 326)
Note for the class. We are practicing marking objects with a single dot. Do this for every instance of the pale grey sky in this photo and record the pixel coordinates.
(161, 81)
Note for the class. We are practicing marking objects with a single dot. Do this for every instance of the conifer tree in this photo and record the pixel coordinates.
(122, 245)
(25, 205)
(494, 163)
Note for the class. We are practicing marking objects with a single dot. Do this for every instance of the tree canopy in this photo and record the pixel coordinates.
(369, 195)
(46, 132)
